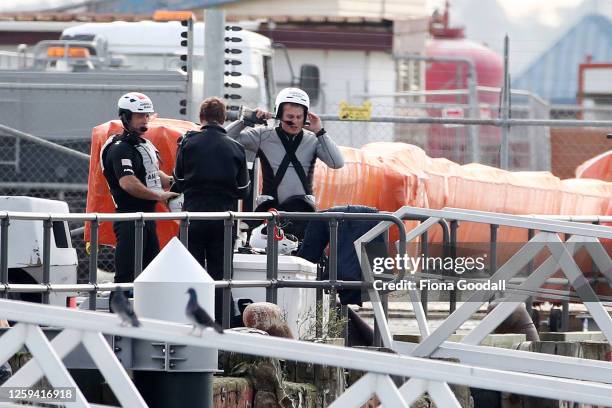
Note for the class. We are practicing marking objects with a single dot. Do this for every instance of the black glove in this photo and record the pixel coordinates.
(249, 117)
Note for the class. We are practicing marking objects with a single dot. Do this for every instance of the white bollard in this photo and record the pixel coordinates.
(160, 290)
(173, 374)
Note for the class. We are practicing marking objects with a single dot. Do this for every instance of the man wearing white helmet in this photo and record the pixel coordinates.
(131, 167)
(288, 152)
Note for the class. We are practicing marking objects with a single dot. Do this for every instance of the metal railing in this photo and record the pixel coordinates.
(272, 282)
(436, 343)
(520, 372)
(500, 122)
(83, 327)
(19, 59)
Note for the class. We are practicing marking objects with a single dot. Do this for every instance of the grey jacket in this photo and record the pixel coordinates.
(265, 142)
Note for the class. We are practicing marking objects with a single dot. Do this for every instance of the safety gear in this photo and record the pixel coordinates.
(262, 199)
(133, 102)
(249, 117)
(291, 95)
(286, 244)
(176, 204)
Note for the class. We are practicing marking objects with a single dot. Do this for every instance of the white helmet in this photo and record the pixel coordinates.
(135, 102)
(259, 239)
(291, 95)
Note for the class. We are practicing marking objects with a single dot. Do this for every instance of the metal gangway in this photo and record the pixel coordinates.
(520, 372)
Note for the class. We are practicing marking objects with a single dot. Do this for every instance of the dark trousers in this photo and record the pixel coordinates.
(124, 251)
(292, 204)
(206, 245)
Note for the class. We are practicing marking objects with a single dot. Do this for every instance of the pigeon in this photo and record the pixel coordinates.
(122, 306)
(197, 315)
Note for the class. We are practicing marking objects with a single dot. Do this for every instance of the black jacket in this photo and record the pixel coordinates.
(129, 154)
(211, 170)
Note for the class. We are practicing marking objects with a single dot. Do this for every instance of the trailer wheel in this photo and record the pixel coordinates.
(21, 276)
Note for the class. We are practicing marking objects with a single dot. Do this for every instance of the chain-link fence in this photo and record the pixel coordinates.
(529, 146)
(36, 168)
(571, 147)
(556, 148)
(75, 196)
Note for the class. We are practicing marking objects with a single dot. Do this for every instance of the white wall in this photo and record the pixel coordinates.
(390, 9)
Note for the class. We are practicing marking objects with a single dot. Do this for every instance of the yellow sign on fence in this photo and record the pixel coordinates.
(355, 112)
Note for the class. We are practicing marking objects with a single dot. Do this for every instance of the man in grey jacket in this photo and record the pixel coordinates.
(288, 153)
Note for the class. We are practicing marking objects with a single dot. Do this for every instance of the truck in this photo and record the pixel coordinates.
(59, 90)
(25, 249)
(67, 86)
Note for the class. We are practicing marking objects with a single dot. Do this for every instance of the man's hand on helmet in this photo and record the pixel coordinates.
(315, 123)
(262, 114)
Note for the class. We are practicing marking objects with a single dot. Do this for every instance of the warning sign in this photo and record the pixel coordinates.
(355, 112)
(452, 113)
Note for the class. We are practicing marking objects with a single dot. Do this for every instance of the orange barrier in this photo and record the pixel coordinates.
(389, 176)
(396, 174)
(163, 133)
(599, 167)
(385, 178)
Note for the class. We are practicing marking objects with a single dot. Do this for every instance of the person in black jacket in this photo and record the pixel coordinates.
(130, 164)
(313, 247)
(211, 171)
(316, 240)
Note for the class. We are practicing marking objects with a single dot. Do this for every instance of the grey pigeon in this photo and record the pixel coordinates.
(122, 306)
(197, 315)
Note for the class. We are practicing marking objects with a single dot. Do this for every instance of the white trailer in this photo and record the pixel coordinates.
(65, 87)
(25, 248)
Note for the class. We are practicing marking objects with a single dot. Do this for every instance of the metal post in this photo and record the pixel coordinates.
(138, 238)
(214, 61)
(17, 155)
(227, 270)
(190, 41)
(473, 131)
(425, 252)
(457, 154)
(46, 266)
(272, 261)
(595, 268)
(493, 249)
(377, 341)
(565, 315)
(4, 229)
(454, 224)
(384, 300)
(529, 300)
(333, 262)
(319, 305)
(505, 110)
(93, 263)
(184, 231)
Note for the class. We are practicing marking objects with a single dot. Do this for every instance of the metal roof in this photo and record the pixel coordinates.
(11, 18)
(554, 75)
(140, 6)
